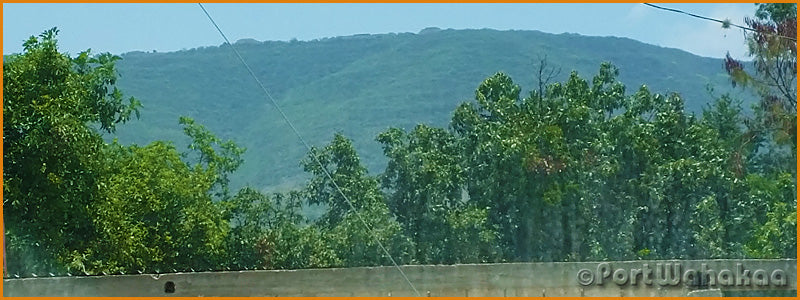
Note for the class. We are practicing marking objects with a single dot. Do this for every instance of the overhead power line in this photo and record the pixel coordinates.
(723, 22)
(297, 133)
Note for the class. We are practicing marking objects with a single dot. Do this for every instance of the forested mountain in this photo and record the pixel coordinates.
(360, 85)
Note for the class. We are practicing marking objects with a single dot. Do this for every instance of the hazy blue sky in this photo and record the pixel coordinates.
(119, 28)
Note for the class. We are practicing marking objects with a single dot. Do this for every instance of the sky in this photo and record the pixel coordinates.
(125, 27)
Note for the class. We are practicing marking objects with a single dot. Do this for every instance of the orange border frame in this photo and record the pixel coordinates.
(2, 222)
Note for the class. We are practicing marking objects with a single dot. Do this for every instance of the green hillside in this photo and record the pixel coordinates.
(360, 85)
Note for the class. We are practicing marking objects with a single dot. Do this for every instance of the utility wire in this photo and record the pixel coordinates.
(727, 22)
(297, 133)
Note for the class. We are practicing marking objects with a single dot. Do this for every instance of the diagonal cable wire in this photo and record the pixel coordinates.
(297, 133)
(729, 23)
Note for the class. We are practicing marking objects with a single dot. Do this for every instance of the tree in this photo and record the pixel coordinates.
(424, 181)
(343, 224)
(156, 211)
(583, 172)
(53, 106)
(76, 204)
(155, 214)
(424, 184)
(771, 133)
(535, 161)
(545, 74)
(225, 159)
(774, 227)
(492, 163)
(268, 233)
(773, 46)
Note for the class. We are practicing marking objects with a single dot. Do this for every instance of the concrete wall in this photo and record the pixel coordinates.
(512, 279)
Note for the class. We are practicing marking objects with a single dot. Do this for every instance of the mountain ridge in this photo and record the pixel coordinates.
(363, 84)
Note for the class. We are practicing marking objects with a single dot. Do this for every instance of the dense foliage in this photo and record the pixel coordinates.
(575, 170)
(52, 160)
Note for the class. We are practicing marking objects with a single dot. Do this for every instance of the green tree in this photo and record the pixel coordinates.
(54, 108)
(581, 171)
(424, 181)
(535, 161)
(470, 238)
(774, 223)
(492, 163)
(343, 222)
(156, 214)
(267, 232)
(251, 214)
(212, 154)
